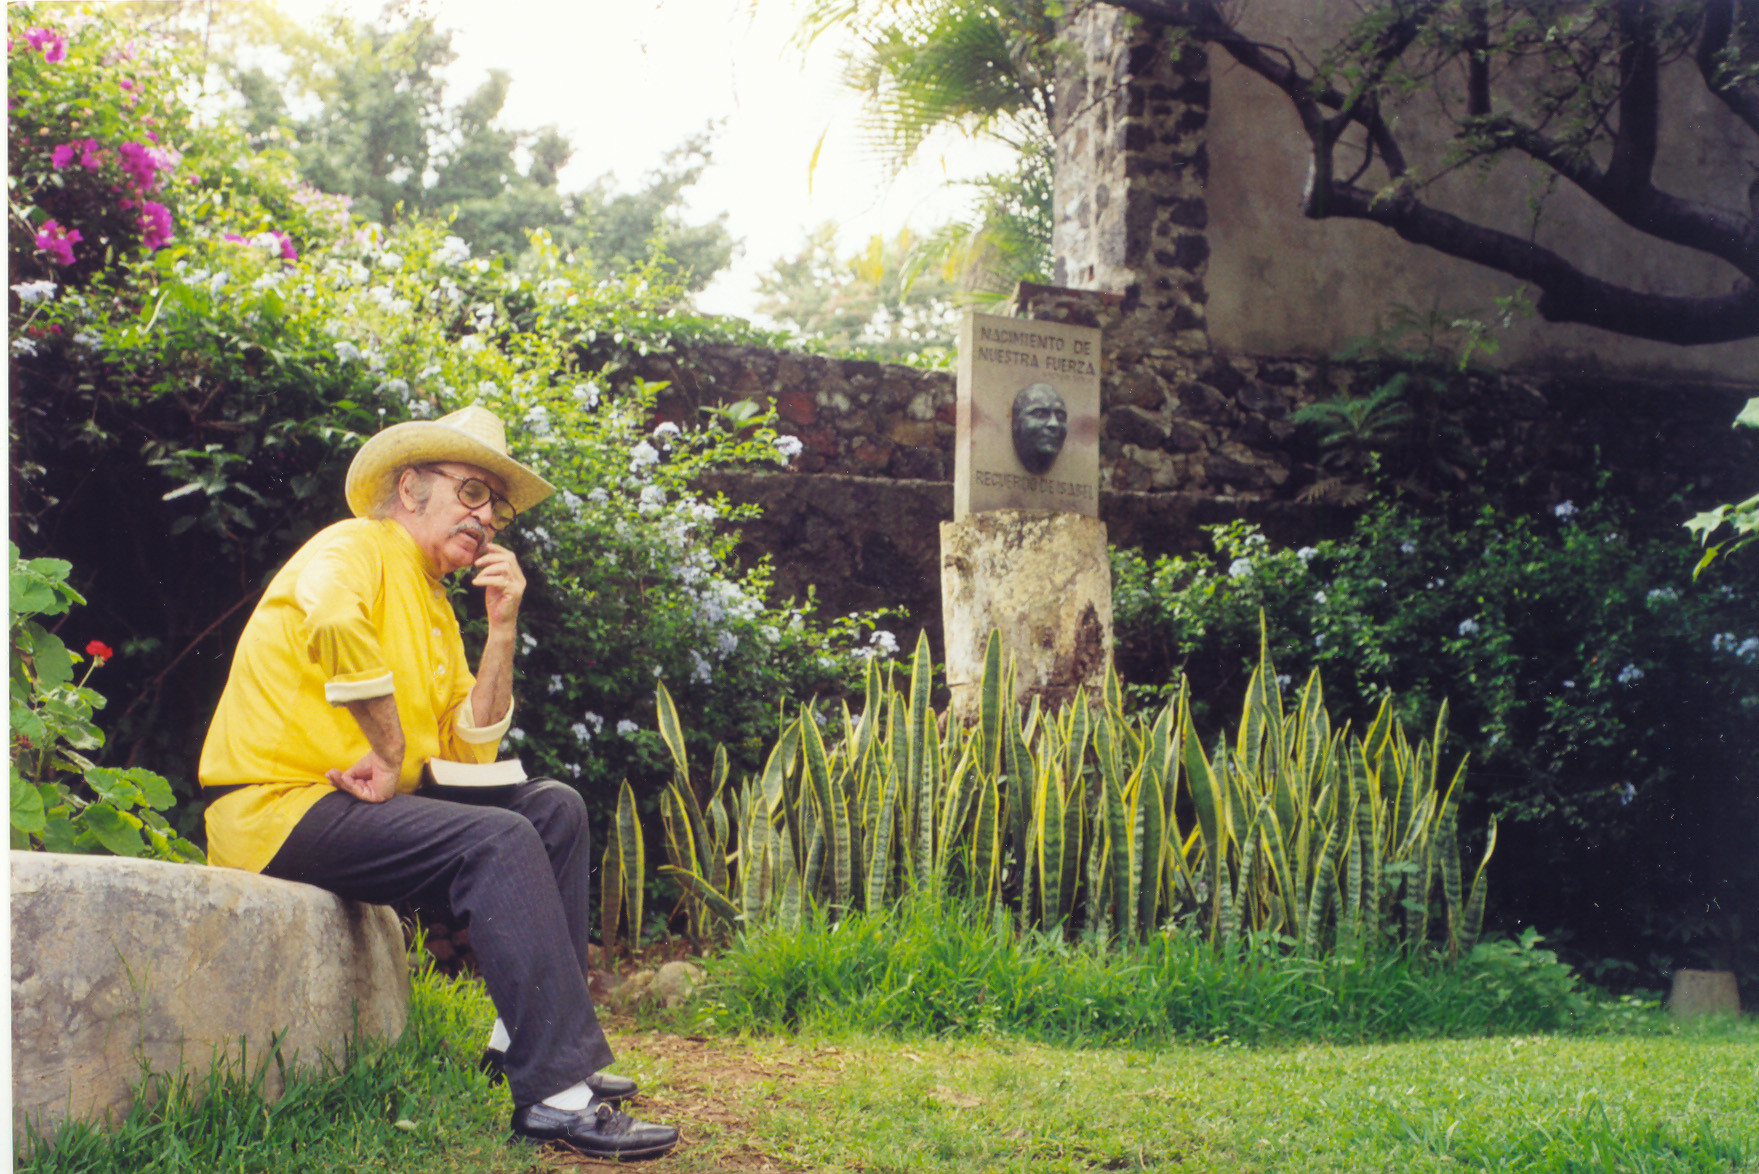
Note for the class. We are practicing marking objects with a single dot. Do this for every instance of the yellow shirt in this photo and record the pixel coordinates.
(357, 613)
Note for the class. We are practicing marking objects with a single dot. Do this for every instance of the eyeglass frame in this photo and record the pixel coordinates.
(487, 488)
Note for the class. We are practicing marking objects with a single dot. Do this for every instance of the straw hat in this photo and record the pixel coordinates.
(470, 436)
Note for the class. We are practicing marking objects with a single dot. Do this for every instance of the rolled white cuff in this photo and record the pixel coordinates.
(477, 735)
(337, 692)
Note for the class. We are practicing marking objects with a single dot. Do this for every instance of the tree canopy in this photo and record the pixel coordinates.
(1574, 86)
(364, 109)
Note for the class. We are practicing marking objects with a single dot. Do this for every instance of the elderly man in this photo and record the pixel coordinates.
(349, 677)
(1040, 424)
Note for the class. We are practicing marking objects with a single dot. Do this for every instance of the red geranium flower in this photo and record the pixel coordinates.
(99, 651)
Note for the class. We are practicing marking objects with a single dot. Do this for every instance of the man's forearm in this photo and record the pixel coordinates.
(493, 694)
(378, 720)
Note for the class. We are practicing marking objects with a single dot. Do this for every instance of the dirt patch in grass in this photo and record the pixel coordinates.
(709, 1087)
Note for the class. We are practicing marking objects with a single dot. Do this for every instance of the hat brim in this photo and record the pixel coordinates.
(423, 442)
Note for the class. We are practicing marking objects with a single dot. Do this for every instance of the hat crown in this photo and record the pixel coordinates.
(480, 424)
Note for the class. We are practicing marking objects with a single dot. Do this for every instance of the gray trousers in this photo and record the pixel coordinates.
(520, 870)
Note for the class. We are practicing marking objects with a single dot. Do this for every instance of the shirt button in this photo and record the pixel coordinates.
(440, 669)
(436, 633)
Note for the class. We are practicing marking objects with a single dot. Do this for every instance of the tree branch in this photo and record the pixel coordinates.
(1566, 293)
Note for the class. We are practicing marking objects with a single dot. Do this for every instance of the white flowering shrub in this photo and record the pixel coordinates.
(1609, 702)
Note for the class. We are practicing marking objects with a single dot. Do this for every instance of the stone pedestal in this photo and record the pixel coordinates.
(1704, 992)
(120, 966)
(1043, 580)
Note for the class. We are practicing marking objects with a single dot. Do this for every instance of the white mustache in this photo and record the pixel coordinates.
(475, 529)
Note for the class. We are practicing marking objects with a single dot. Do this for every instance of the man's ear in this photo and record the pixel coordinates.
(405, 495)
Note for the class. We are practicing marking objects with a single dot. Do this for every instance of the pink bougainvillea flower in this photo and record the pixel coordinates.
(234, 238)
(288, 252)
(63, 155)
(141, 163)
(58, 242)
(52, 44)
(99, 651)
(91, 157)
(127, 83)
(155, 224)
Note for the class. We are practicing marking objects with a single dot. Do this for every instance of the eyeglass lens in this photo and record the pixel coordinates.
(474, 494)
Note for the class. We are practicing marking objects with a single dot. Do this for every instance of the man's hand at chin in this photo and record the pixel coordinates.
(372, 779)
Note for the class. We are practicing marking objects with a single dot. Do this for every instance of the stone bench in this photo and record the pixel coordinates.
(120, 965)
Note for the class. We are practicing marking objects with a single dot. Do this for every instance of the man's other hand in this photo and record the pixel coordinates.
(372, 779)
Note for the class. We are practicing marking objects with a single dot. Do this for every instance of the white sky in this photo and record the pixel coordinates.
(629, 79)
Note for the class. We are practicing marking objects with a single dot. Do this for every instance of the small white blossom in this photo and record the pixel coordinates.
(1565, 510)
(555, 682)
(652, 498)
(598, 495)
(1468, 627)
(471, 343)
(594, 722)
(1239, 567)
(452, 251)
(219, 281)
(539, 535)
(627, 727)
(538, 420)
(1630, 675)
(1749, 648)
(1662, 595)
(1306, 554)
(1407, 547)
(348, 352)
(588, 394)
(789, 447)
(1569, 684)
(516, 734)
(527, 641)
(700, 669)
(580, 732)
(397, 387)
(1627, 794)
(665, 431)
(643, 455)
(88, 339)
(391, 261)
(1722, 642)
(23, 346)
(1284, 680)
(884, 641)
(1319, 597)
(32, 292)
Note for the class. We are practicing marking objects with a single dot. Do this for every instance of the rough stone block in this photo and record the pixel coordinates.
(1044, 581)
(119, 964)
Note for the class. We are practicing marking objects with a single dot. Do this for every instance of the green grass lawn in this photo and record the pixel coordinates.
(1662, 1101)
(1687, 1102)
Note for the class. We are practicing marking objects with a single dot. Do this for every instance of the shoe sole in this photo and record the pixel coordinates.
(658, 1151)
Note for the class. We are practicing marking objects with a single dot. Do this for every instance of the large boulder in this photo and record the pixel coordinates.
(123, 966)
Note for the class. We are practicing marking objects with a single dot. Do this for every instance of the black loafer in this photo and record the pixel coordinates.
(598, 1132)
(606, 1086)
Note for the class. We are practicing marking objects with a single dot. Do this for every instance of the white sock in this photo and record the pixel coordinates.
(571, 1099)
(498, 1038)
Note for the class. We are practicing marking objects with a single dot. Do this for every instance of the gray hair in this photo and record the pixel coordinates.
(385, 503)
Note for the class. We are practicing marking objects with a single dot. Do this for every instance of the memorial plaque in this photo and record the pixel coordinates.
(1028, 426)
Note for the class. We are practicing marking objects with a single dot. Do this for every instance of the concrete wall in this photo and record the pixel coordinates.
(122, 966)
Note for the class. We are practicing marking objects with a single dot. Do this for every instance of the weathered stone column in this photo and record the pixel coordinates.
(1043, 580)
(1131, 164)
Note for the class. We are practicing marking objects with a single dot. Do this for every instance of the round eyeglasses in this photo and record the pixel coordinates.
(474, 493)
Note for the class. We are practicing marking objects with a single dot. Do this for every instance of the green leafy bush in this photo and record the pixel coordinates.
(1607, 701)
(61, 800)
(931, 969)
